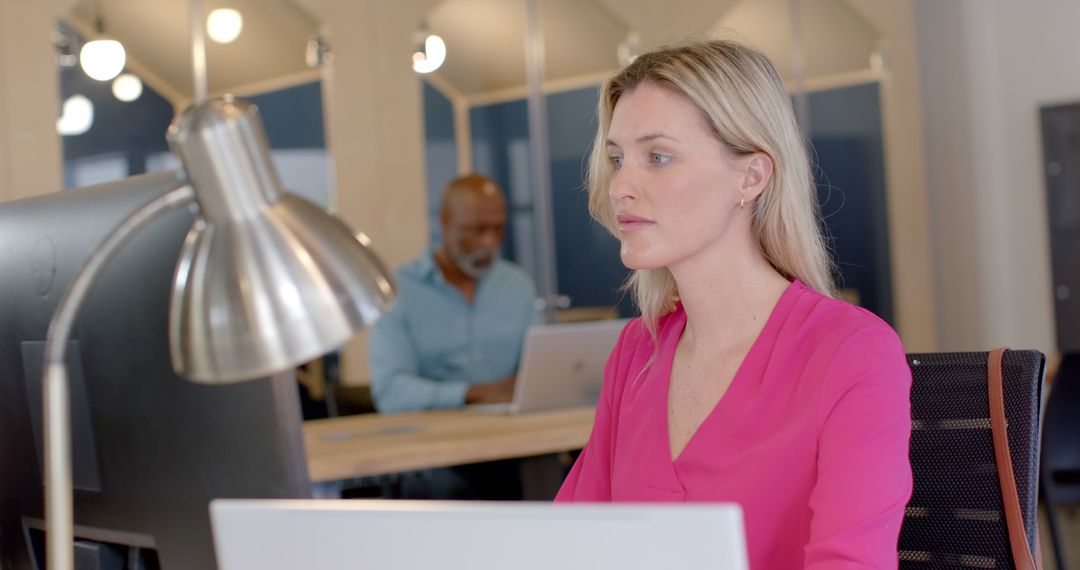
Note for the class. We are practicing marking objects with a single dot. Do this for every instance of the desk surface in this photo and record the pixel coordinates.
(373, 444)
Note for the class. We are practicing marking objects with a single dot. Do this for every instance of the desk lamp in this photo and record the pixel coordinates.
(265, 281)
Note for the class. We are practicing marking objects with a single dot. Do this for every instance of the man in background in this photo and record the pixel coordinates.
(454, 336)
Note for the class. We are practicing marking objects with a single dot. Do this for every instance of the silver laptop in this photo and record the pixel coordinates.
(452, 535)
(562, 365)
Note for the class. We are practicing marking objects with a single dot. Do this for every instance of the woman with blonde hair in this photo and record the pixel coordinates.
(743, 380)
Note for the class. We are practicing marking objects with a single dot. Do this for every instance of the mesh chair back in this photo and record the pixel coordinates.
(955, 518)
(1061, 434)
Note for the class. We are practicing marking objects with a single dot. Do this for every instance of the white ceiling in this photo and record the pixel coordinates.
(484, 38)
(835, 39)
(158, 41)
(485, 41)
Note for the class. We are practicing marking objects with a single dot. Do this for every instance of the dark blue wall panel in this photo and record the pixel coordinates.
(495, 129)
(590, 270)
(293, 116)
(440, 151)
(846, 133)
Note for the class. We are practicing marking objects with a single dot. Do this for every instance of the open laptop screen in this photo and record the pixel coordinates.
(415, 535)
(562, 365)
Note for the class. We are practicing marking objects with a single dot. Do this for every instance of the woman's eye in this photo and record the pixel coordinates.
(616, 161)
(658, 158)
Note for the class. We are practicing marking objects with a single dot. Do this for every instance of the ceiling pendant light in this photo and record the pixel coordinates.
(430, 52)
(127, 87)
(103, 58)
(77, 116)
(224, 25)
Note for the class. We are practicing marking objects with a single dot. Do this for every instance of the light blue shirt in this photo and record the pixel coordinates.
(428, 350)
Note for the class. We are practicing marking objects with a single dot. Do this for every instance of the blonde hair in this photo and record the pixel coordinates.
(742, 97)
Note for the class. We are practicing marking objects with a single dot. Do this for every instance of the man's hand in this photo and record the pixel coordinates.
(497, 392)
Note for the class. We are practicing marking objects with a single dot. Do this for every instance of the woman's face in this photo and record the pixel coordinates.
(675, 188)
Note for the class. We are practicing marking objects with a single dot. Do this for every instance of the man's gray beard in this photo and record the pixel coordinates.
(471, 264)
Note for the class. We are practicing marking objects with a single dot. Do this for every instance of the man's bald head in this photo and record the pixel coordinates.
(466, 191)
(473, 217)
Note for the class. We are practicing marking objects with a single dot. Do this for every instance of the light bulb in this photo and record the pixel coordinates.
(127, 87)
(432, 57)
(223, 25)
(103, 59)
(76, 117)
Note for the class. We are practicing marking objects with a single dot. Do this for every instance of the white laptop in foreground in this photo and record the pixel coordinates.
(451, 535)
(562, 366)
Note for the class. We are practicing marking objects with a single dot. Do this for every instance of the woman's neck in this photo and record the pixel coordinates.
(728, 293)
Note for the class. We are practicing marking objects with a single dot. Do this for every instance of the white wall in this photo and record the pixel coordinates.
(374, 132)
(29, 146)
(986, 66)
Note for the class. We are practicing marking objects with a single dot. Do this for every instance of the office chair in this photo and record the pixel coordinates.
(1060, 472)
(956, 517)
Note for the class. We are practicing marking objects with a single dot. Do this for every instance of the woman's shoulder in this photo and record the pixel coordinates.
(638, 346)
(636, 335)
(835, 321)
(847, 343)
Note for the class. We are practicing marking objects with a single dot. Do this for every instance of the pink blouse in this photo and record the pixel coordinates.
(811, 438)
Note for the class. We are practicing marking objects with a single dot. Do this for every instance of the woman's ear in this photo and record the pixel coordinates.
(758, 173)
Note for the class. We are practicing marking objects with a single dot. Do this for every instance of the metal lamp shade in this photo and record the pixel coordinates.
(266, 280)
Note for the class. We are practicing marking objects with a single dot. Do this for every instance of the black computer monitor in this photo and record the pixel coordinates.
(150, 448)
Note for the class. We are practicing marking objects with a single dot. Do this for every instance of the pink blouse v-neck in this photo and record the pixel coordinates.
(811, 438)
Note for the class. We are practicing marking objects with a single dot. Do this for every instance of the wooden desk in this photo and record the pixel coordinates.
(367, 445)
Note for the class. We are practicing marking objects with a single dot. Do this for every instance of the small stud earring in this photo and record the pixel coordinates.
(742, 202)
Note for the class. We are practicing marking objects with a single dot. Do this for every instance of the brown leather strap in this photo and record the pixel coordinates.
(1014, 520)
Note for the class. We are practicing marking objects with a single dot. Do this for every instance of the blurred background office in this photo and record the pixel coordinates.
(939, 153)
